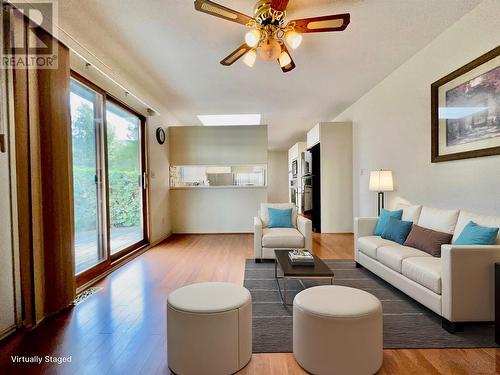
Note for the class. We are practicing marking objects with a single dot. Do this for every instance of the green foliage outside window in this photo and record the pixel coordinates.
(124, 180)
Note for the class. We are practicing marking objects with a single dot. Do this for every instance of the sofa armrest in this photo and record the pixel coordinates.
(468, 282)
(257, 237)
(304, 225)
(363, 226)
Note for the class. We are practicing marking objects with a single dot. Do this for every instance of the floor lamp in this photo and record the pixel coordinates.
(381, 181)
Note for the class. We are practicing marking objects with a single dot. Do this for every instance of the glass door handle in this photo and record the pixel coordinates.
(144, 181)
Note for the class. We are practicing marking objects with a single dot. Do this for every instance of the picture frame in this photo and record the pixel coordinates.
(465, 111)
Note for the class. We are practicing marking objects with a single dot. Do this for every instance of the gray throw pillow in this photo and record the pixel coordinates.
(427, 240)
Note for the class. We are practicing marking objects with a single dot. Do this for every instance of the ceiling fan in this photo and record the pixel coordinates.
(269, 31)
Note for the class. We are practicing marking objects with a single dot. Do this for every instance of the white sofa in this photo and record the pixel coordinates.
(459, 286)
(266, 240)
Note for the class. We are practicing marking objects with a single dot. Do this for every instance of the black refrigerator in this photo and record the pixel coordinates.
(311, 181)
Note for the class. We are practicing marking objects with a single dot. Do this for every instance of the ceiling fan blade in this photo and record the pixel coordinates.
(279, 4)
(335, 22)
(217, 10)
(291, 64)
(236, 54)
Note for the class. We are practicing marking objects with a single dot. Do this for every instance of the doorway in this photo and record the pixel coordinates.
(108, 177)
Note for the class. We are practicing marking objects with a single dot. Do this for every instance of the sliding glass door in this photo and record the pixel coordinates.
(86, 118)
(108, 171)
(125, 177)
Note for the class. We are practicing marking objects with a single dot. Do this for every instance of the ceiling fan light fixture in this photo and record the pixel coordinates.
(270, 50)
(252, 38)
(250, 57)
(293, 39)
(284, 59)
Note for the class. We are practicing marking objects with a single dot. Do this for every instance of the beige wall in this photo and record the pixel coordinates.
(159, 193)
(215, 210)
(336, 177)
(7, 307)
(9, 271)
(277, 176)
(392, 126)
(218, 145)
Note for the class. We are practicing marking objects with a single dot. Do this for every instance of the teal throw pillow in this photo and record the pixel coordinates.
(280, 218)
(474, 234)
(385, 215)
(397, 230)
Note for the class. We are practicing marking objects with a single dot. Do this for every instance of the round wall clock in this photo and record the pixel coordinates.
(160, 136)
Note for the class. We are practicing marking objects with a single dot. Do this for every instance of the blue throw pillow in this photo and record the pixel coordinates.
(397, 230)
(474, 234)
(385, 215)
(280, 218)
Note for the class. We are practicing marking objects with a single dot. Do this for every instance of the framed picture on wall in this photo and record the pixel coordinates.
(466, 111)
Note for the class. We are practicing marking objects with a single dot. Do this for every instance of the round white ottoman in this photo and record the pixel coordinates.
(209, 329)
(337, 330)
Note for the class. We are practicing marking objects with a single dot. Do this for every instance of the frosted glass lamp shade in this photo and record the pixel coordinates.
(293, 39)
(381, 181)
(270, 50)
(249, 58)
(252, 38)
(284, 59)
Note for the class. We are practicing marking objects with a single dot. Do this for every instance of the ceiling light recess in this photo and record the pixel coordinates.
(230, 120)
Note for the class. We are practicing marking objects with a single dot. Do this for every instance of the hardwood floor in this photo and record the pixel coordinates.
(121, 329)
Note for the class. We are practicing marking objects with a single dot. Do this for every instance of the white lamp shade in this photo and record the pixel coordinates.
(381, 181)
(249, 58)
(284, 59)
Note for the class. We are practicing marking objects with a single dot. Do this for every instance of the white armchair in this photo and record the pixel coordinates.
(266, 240)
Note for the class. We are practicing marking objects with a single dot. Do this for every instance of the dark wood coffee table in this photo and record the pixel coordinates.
(319, 271)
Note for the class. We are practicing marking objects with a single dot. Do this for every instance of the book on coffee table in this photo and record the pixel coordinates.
(301, 258)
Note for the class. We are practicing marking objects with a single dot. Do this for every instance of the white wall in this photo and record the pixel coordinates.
(218, 145)
(277, 176)
(7, 307)
(159, 193)
(7, 212)
(392, 126)
(215, 210)
(336, 177)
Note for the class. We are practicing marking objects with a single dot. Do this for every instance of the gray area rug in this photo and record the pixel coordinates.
(407, 324)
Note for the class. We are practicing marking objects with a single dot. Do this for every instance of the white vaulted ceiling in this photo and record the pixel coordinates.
(173, 52)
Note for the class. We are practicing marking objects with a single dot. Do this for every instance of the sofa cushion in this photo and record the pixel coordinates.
(282, 238)
(474, 234)
(382, 221)
(438, 219)
(368, 245)
(427, 240)
(465, 217)
(425, 271)
(393, 256)
(279, 218)
(410, 213)
(397, 230)
(264, 214)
